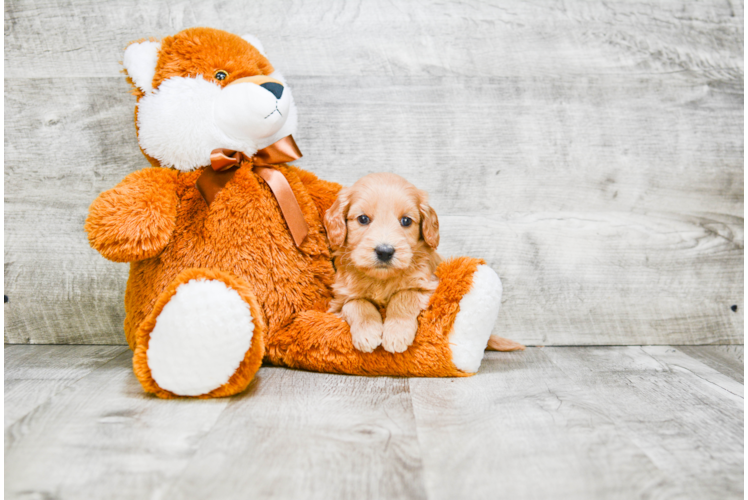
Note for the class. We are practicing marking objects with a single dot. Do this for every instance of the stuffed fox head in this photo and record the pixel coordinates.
(204, 89)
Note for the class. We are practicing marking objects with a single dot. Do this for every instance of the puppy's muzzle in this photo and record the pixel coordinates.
(384, 252)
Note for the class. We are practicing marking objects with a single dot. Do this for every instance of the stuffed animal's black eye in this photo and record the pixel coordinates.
(406, 221)
(363, 220)
(221, 75)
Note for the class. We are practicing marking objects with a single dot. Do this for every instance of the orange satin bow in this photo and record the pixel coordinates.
(223, 161)
(282, 151)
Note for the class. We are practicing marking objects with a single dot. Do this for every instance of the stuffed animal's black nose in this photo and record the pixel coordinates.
(274, 88)
(384, 252)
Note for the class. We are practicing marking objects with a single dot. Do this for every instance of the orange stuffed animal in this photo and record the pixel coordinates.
(230, 263)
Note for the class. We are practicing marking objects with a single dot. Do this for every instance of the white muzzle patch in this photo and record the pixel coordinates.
(185, 118)
(247, 110)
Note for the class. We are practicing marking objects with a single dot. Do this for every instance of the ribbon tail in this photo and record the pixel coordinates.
(287, 202)
(211, 182)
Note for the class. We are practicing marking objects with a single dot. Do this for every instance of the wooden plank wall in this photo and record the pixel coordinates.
(591, 152)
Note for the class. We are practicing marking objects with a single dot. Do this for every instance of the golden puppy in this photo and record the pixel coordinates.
(384, 235)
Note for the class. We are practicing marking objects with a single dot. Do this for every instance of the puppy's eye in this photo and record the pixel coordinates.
(221, 75)
(363, 220)
(406, 221)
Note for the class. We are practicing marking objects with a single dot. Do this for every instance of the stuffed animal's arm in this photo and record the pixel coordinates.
(135, 219)
(323, 193)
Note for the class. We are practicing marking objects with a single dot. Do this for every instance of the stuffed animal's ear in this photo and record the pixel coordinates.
(429, 221)
(255, 42)
(335, 219)
(140, 63)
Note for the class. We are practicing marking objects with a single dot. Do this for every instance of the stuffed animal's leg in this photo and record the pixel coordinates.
(452, 333)
(204, 337)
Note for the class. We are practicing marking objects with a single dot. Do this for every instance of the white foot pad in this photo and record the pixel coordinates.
(479, 309)
(200, 338)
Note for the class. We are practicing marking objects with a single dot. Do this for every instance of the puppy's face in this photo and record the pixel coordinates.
(380, 222)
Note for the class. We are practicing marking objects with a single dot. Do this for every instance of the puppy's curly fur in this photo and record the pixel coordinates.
(384, 236)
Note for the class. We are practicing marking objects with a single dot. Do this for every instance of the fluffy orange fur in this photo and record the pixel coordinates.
(242, 232)
(204, 51)
(403, 283)
(318, 341)
(156, 220)
(135, 220)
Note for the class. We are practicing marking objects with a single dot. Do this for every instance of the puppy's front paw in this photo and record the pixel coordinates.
(399, 333)
(367, 337)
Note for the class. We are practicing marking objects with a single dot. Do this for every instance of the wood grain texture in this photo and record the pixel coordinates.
(304, 435)
(609, 278)
(676, 361)
(32, 376)
(592, 154)
(62, 149)
(726, 359)
(581, 423)
(558, 422)
(691, 428)
(372, 37)
(103, 437)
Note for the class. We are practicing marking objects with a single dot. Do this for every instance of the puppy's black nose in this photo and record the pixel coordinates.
(274, 88)
(385, 252)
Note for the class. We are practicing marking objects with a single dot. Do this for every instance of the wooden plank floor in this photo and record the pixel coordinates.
(554, 422)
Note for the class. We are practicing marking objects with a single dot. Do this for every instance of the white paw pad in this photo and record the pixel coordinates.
(479, 309)
(200, 338)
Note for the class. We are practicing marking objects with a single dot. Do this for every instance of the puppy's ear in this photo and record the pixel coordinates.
(335, 219)
(429, 221)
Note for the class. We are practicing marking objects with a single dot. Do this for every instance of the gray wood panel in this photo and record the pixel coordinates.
(32, 376)
(375, 37)
(307, 435)
(608, 278)
(62, 149)
(557, 422)
(582, 423)
(726, 359)
(103, 437)
(704, 419)
(592, 154)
